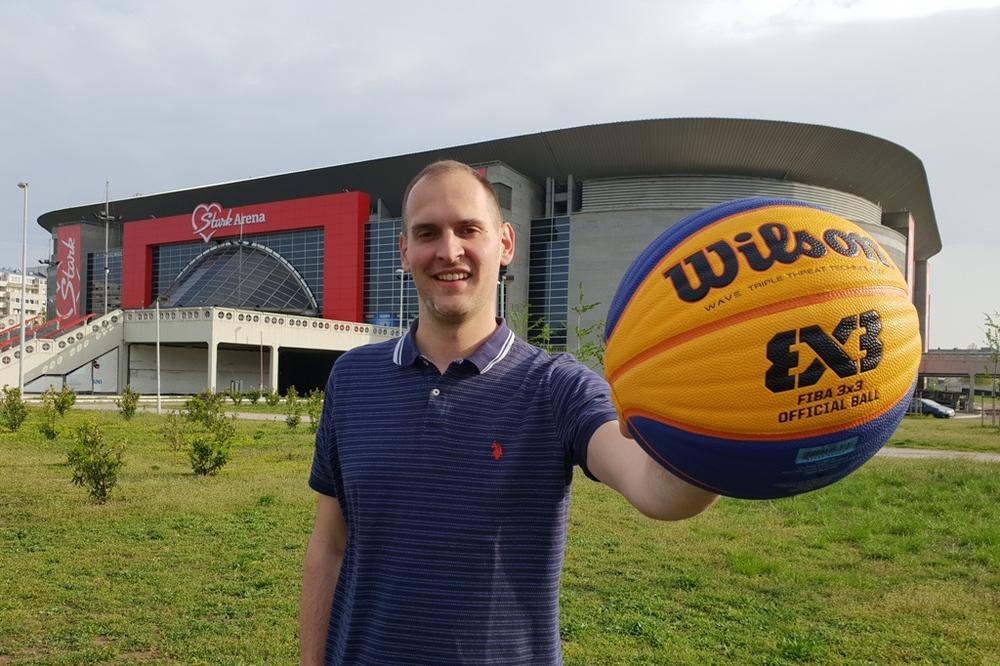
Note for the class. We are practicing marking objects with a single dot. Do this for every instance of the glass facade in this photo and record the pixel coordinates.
(548, 279)
(95, 281)
(386, 290)
(241, 275)
(302, 249)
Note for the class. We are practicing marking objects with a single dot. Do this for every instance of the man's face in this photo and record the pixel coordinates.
(454, 245)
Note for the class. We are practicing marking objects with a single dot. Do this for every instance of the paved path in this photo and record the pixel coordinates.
(897, 452)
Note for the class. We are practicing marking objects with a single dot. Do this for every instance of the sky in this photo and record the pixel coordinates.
(173, 94)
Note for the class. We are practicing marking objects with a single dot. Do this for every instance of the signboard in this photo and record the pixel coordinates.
(208, 218)
(67, 274)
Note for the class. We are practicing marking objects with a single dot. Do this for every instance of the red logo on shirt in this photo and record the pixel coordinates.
(497, 450)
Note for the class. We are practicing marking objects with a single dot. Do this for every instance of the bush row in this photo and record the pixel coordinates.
(207, 437)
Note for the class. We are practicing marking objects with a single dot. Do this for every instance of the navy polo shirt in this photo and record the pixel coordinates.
(455, 489)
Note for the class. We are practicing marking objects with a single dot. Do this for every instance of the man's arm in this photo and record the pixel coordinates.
(620, 462)
(319, 579)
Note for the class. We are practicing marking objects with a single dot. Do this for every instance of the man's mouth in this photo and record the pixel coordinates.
(451, 277)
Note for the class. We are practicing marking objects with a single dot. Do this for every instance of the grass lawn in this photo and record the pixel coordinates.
(956, 434)
(898, 564)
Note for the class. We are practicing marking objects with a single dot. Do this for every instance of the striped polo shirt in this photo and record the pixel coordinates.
(455, 489)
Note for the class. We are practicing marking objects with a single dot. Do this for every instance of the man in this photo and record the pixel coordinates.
(444, 462)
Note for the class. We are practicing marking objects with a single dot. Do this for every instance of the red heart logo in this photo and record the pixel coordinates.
(202, 218)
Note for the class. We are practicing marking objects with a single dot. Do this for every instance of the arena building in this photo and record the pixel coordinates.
(319, 247)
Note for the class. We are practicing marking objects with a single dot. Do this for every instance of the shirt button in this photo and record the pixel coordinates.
(435, 392)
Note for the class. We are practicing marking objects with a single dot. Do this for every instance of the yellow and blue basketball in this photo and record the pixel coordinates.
(762, 348)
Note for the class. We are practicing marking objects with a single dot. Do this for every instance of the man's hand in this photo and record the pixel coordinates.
(319, 579)
(618, 461)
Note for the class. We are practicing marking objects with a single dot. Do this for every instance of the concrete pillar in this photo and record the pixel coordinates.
(550, 196)
(274, 367)
(904, 224)
(124, 371)
(213, 362)
(921, 299)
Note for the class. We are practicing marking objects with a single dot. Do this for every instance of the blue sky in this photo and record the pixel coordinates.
(159, 96)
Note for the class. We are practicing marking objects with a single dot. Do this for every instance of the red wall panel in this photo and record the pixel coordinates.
(341, 216)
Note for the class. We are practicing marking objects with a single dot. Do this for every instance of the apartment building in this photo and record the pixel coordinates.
(10, 294)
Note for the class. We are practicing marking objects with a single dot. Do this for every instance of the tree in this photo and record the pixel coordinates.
(589, 341)
(993, 344)
(531, 328)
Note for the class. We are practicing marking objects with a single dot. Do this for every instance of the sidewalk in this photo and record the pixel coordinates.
(899, 452)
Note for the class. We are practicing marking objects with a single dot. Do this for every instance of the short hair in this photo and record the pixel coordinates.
(441, 167)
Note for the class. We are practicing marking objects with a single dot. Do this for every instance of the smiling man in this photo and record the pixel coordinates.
(454, 243)
(444, 461)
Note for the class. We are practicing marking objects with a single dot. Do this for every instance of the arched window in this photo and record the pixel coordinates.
(241, 274)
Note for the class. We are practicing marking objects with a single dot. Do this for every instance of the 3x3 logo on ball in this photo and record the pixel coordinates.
(830, 349)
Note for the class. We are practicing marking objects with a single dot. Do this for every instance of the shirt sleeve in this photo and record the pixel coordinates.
(581, 403)
(325, 474)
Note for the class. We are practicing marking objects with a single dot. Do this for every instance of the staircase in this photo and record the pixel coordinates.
(10, 328)
(57, 347)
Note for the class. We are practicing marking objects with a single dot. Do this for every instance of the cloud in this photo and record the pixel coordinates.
(158, 96)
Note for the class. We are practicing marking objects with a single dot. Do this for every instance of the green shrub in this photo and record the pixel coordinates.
(293, 408)
(208, 454)
(254, 395)
(64, 399)
(272, 398)
(48, 426)
(314, 408)
(61, 401)
(49, 415)
(204, 408)
(223, 429)
(13, 411)
(95, 463)
(128, 403)
(235, 396)
(172, 430)
(209, 444)
(49, 396)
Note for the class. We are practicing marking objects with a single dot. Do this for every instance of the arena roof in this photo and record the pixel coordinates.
(860, 164)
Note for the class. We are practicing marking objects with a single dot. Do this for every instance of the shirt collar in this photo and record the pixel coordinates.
(492, 351)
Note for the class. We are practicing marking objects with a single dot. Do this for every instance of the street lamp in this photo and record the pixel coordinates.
(502, 283)
(158, 406)
(24, 285)
(106, 217)
(401, 275)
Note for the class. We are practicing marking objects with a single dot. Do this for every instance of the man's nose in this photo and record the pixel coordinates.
(450, 247)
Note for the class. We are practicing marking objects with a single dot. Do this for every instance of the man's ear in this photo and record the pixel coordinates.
(508, 241)
(404, 262)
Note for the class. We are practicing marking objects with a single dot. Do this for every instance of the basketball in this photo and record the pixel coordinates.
(762, 348)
